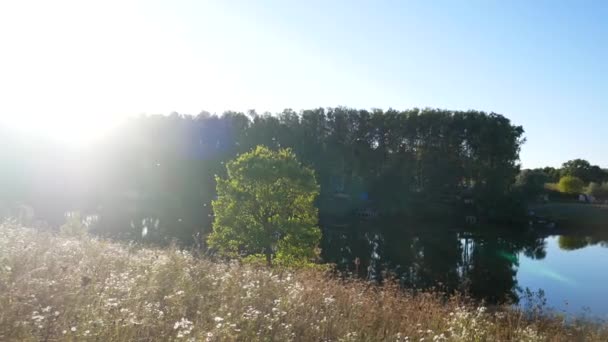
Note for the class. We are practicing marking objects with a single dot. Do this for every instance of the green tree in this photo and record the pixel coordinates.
(570, 185)
(531, 182)
(584, 170)
(552, 173)
(266, 206)
(597, 190)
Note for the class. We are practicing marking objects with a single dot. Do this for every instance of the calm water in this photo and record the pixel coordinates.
(490, 263)
(574, 281)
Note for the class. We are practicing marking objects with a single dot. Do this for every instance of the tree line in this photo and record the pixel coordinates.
(574, 177)
(159, 172)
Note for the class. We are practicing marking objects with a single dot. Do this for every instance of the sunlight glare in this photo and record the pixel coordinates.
(69, 129)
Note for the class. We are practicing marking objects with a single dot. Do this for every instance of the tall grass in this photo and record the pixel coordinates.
(56, 288)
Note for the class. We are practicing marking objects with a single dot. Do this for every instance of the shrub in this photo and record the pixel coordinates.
(598, 190)
(74, 226)
(570, 185)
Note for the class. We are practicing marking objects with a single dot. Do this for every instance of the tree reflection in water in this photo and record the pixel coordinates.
(482, 263)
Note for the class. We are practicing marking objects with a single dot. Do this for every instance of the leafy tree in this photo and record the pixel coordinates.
(531, 182)
(571, 185)
(584, 170)
(598, 190)
(163, 168)
(552, 173)
(266, 206)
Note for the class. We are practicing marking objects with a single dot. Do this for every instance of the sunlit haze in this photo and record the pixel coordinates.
(73, 69)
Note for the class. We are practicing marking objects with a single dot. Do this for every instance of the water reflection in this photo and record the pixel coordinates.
(481, 262)
(492, 263)
(572, 242)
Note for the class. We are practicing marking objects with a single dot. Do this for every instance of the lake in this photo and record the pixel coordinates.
(496, 264)
(574, 281)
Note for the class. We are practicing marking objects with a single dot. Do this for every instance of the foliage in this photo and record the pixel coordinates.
(54, 288)
(571, 243)
(571, 185)
(266, 205)
(531, 182)
(582, 169)
(552, 173)
(599, 191)
(163, 167)
(74, 226)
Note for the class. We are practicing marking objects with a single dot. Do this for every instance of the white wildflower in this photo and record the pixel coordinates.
(37, 318)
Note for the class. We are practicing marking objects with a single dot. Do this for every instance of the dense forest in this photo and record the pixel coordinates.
(158, 172)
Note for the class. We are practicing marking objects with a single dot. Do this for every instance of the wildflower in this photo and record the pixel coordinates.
(440, 337)
(73, 329)
(218, 319)
(185, 327)
(37, 318)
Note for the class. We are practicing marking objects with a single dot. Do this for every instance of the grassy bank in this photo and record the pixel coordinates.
(574, 214)
(55, 288)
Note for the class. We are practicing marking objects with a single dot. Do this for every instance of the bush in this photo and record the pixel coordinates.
(571, 185)
(599, 191)
(74, 226)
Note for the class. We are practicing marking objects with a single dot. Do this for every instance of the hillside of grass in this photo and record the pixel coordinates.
(58, 288)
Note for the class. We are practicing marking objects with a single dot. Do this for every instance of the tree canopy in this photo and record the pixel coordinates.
(571, 185)
(531, 182)
(265, 205)
(599, 191)
(582, 169)
(162, 169)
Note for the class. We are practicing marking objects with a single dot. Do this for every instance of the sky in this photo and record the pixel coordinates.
(74, 69)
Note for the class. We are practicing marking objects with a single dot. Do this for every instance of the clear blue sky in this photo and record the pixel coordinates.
(543, 64)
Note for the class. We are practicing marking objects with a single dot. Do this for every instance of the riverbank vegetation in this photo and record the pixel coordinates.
(582, 216)
(57, 287)
(159, 172)
(575, 195)
(575, 177)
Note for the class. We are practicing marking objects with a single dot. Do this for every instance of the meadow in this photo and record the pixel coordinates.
(55, 287)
